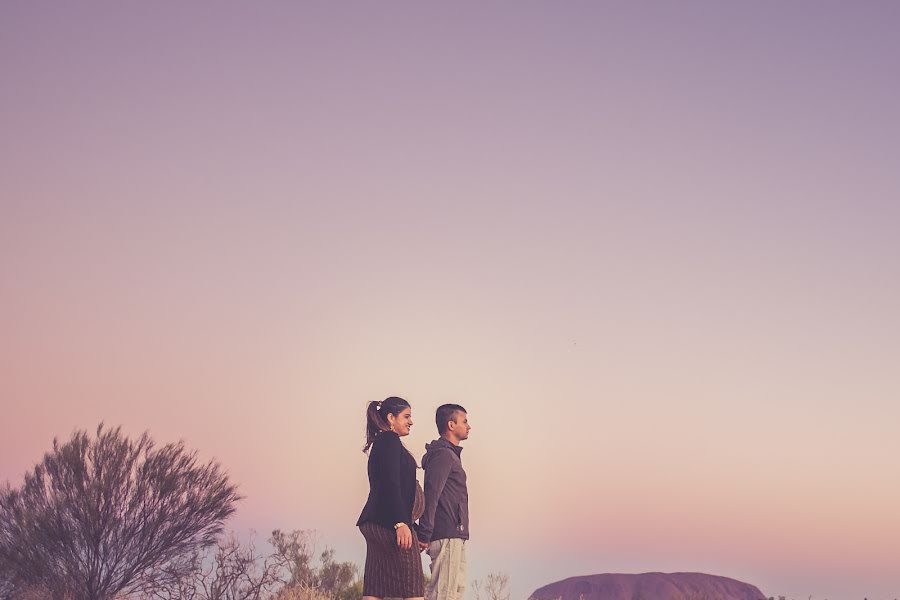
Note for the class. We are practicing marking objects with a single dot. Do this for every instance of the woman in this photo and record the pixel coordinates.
(393, 566)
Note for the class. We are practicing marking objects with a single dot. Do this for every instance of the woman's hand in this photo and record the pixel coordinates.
(404, 537)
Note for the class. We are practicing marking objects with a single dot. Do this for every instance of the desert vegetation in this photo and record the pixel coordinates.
(107, 517)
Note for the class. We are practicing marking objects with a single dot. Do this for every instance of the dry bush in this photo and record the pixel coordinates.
(294, 554)
(107, 517)
(234, 571)
(302, 591)
(494, 587)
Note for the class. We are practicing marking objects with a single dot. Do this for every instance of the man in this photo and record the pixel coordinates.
(444, 527)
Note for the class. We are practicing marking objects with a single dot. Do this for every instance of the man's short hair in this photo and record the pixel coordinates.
(446, 413)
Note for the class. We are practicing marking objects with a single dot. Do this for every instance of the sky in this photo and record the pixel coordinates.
(651, 247)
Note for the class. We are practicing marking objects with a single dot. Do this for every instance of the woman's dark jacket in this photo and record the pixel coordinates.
(392, 483)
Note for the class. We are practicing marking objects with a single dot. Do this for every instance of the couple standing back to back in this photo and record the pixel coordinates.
(396, 501)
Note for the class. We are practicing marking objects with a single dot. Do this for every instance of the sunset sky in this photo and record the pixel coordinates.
(651, 246)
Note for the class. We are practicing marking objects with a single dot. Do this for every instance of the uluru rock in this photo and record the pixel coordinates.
(648, 586)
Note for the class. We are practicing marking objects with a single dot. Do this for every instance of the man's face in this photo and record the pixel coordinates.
(460, 425)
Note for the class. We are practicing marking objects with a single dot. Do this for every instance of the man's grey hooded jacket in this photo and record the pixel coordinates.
(446, 497)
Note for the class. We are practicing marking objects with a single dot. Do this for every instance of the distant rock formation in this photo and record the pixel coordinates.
(648, 586)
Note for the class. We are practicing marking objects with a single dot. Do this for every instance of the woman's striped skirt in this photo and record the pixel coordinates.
(391, 572)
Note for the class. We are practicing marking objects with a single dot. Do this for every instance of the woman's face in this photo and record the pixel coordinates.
(402, 422)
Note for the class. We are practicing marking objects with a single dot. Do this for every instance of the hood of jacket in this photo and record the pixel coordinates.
(436, 446)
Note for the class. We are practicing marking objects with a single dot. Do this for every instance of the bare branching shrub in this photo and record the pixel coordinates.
(334, 577)
(294, 554)
(108, 517)
(494, 587)
(234, 571)
(302, 591)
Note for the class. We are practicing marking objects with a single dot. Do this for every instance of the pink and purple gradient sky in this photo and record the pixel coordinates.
(653, 247)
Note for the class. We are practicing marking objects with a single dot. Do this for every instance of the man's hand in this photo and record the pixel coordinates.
(404, 537)
(423, 546)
